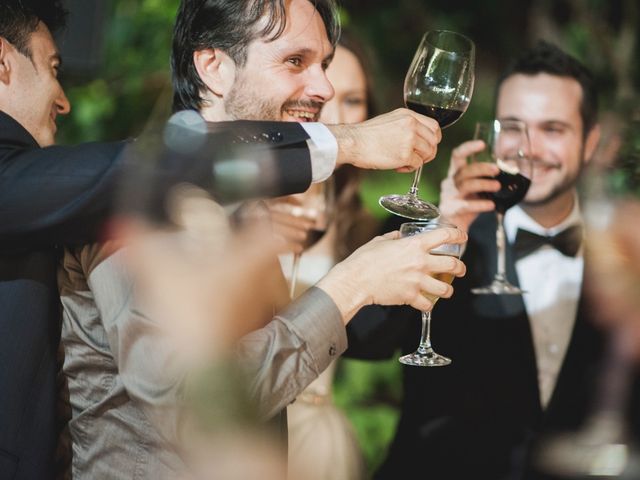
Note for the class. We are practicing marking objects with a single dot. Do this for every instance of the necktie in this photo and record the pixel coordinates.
(566, 242)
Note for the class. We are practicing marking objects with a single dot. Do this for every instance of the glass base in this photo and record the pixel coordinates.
(427, 359)
(498, 287)
(409, 206)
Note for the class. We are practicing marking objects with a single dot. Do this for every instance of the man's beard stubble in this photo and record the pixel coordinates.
(566, 185)
(244, 103)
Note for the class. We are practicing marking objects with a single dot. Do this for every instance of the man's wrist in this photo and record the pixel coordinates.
(339, 285)
(346, 138)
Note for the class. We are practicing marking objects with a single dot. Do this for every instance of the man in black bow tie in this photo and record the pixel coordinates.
(523, 365)
(555, 96)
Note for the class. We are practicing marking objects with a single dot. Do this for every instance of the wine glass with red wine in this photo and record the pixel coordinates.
(507, 145)
(439, 84)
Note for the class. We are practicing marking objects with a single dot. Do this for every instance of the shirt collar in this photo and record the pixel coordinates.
(516, 218)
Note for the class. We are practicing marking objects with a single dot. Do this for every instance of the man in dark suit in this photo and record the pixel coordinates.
(521, 365)
(52, 196)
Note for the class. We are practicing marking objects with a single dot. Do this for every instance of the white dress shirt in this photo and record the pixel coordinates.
(553, 283)
(323, 148)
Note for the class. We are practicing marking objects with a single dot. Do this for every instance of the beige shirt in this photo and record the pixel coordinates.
(553, 284)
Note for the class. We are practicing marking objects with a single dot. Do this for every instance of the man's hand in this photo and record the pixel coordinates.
(390, 270)
(402, 140)
(293, 229)
(460, 202)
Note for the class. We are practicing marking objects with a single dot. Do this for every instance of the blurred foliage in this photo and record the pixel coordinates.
(117, 102)
(134, 82)
(370, 394)
(623, 176)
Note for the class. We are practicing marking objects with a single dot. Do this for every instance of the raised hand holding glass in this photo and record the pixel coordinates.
(507, 145)
(425, 356)
(316, 205)
(439, 84)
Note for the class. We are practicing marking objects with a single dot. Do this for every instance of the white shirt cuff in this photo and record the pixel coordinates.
(323, 148)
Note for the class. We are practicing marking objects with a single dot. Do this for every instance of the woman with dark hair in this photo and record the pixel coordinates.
(322, 444)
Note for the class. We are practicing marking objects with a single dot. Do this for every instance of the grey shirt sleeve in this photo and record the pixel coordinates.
(290, 352)
(281, 359)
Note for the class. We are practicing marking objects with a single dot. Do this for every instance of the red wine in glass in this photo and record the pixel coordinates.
(444, 116)
(513, 188)
(507, 146)
(438, 84)
(313, 236)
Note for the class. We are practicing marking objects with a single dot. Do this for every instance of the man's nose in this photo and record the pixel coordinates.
(535, 145)
(319, 87)
(63, 105)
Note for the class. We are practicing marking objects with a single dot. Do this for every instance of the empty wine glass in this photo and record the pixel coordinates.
(425, 356)
(439, 84)
(507, 145)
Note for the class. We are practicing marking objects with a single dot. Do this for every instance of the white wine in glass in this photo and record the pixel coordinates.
(425, 356)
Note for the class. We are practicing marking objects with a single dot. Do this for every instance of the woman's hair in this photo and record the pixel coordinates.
(354, 225)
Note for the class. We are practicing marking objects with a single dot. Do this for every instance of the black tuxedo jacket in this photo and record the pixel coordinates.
(478, 417)
(57, 196)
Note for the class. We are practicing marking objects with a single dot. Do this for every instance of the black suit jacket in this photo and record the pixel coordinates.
(57, 196)
(478, 417)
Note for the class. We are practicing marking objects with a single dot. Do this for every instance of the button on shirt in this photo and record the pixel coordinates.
(553, 283)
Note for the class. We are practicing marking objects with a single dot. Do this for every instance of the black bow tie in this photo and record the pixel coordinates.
(566, 242)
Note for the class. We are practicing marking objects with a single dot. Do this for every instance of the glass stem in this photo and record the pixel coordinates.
(294, 275)
(501, 274)
(413, 191)
(425, 336)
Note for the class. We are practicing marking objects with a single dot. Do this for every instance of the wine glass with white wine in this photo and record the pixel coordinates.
(425, 356)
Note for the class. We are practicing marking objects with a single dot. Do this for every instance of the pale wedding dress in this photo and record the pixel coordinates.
(322, 443)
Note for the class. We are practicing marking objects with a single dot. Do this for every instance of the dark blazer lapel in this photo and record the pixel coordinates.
(508, 310)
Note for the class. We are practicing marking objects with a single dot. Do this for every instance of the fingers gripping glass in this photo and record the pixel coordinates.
(439, 84)
(425, 356)
(507, 145)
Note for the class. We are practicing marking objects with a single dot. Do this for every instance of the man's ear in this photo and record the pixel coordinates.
(591, 142)
(216, 70)
(4, 61)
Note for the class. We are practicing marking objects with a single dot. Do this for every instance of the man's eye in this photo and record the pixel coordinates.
(295, 61)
